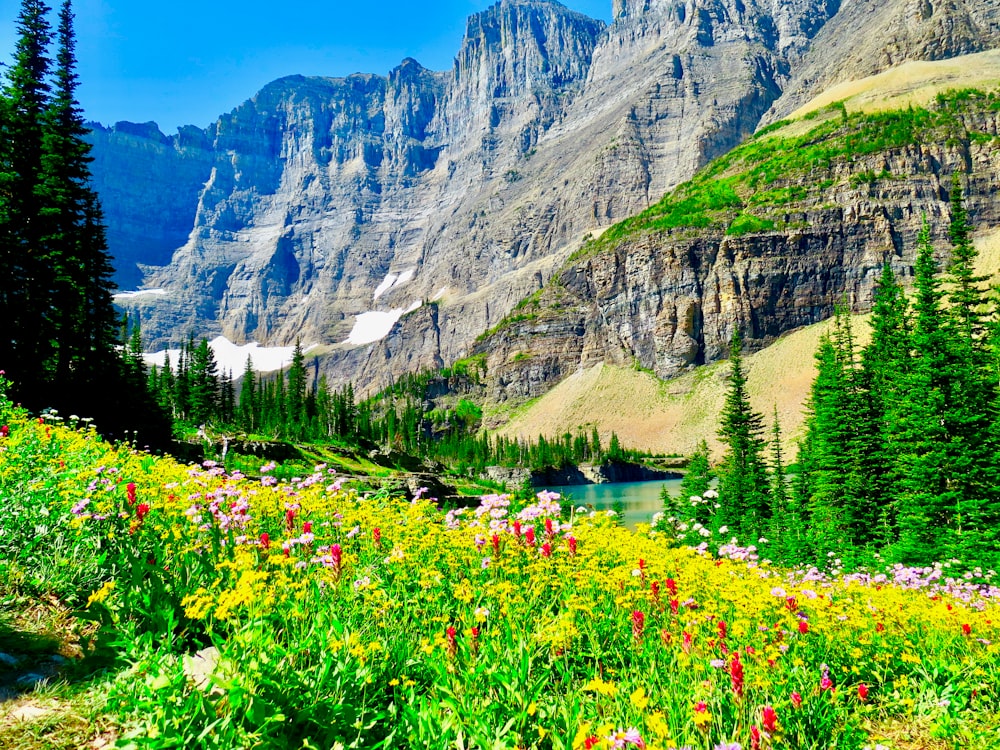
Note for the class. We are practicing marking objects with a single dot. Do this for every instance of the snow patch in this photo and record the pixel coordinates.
(385, 286)
(393, 280)
(375, 325)
(441, 292)
(232, 357)
(140, 293)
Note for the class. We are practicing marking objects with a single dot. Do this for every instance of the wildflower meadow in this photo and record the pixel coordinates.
(246, 612)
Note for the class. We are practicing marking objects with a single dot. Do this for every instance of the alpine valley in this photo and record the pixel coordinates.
(570, 194)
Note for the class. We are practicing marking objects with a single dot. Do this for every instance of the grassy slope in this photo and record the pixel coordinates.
(671, 416)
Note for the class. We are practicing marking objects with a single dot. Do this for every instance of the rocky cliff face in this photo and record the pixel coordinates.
(668, 299)
(149, 185)
(331, 207)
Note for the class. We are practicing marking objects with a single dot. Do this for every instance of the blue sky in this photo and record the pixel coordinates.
(186, 62)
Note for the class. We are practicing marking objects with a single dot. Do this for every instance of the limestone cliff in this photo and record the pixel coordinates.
(329, 207)
(770, 238)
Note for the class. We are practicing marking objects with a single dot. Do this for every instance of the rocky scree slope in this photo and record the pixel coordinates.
(766, 239)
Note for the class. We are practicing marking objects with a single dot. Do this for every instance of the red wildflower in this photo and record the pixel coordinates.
(290, 520)
(571, 543)
(879, 627)
(797, 700)
(517, 529)
(265, 541)
(546, 550)
(141, 511)
(529, 536)
(674, 606)
(803, 627)
(688, 639)
(863, 691)
(754, 738)
(307, 527)
(496, 544)
(452, 640)
(966, 629)
(377, 536)
(722, 628)
(736, 674)
(130, 492)
(5, 431)
(638, 623)
(548, 527)
(769, 718)
(590, 742)
(671, 585)
(654, 592)
(337, 555)
(791, 603)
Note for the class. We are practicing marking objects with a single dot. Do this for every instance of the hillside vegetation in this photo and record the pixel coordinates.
(218, 610)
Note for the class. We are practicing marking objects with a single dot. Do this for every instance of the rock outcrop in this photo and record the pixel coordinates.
(328, 209)
(669, 299)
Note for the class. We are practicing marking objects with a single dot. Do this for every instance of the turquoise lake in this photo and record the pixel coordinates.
(639, 500)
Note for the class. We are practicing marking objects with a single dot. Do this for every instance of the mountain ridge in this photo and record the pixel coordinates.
(475, 184)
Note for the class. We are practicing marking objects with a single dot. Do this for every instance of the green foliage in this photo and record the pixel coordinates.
(55, 270)
(773, 171)
(747, 223)
(743, 487)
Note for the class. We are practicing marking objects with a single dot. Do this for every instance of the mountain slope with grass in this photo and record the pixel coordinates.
(765, 240)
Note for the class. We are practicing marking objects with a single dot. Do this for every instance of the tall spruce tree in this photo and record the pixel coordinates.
(24, 283)
(743, 485)
(924, 509)
(81, 264)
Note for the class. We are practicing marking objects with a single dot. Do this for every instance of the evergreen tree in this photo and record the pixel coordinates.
(248, 406)
(967, 295)
(79, 266)
(743, 493)
(698, 477)
(924, 507)
(883, 363)
(23, 251)
(204, 379)
(295, 395)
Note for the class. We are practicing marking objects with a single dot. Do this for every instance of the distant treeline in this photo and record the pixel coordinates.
(298, 405)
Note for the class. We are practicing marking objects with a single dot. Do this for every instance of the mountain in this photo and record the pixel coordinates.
(393, 220)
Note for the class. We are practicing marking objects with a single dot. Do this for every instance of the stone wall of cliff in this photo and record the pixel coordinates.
(323, 199)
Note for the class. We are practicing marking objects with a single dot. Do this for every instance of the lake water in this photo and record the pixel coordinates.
(640, 500)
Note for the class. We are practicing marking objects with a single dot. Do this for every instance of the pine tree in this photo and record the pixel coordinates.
(295, 395)
(967, 295)
(923, 512)
(24, 284)
(883, 363)
(743, 491)
(204, 379)
(248, 406)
